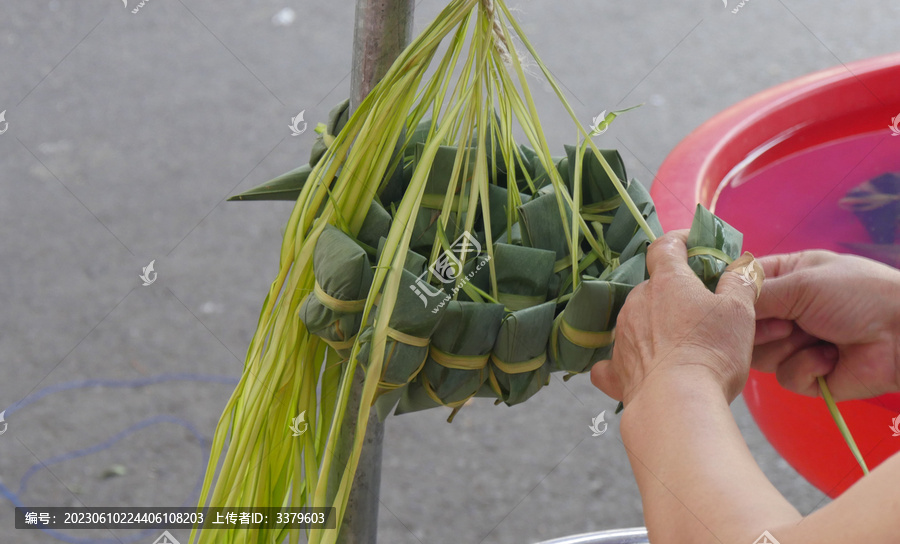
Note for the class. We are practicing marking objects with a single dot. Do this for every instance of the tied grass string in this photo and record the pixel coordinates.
(841, 424)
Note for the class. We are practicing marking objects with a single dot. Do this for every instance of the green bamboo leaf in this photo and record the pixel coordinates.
(287, 186)
(712, 245)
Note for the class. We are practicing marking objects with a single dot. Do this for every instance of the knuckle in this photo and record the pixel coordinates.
(735, 311)
(786, 378)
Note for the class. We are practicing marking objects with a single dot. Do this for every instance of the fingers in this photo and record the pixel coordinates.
(668, 254)
(799, 373)
(768, 357)
(783, 298)
(791, 283)
(782, 265)
(743, 279)
(604, 378)
(779, 265)
(770, 330)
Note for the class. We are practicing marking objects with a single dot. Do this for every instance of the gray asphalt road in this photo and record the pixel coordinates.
(128, 130)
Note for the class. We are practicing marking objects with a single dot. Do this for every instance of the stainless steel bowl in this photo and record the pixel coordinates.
(635, 535)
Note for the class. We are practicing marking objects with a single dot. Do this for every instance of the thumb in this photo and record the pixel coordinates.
(782, 298)
(742, 279)
(605, 378)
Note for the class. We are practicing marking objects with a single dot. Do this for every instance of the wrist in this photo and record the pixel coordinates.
(671, 393)
(679, 380)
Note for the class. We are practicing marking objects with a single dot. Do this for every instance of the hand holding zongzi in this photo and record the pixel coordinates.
(672, 324)
(679, 347)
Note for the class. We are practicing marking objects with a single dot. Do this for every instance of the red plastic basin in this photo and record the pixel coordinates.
(775, 166)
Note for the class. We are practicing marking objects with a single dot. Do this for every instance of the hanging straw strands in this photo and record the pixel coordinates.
(422, 162)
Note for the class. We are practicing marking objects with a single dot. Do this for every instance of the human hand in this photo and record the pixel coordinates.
(673, 324)
(824, 314)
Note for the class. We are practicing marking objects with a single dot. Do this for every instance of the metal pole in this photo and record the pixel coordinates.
(383, 29)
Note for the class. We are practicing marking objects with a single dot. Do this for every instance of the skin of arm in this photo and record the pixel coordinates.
(700, 484)
(682, 355)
